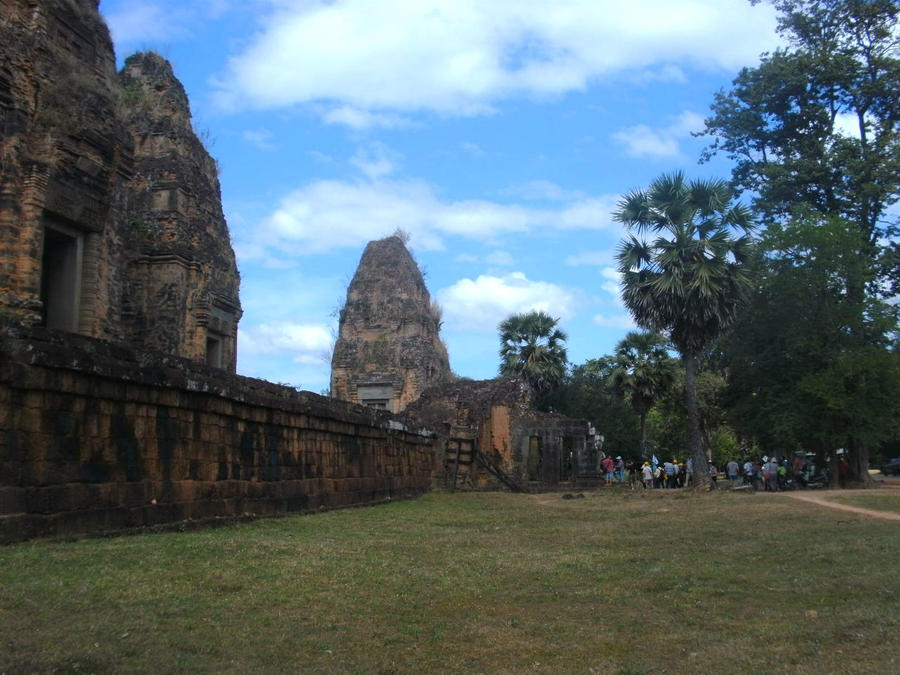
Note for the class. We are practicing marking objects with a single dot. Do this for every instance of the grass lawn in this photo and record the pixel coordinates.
(472, 583)
(881, 502)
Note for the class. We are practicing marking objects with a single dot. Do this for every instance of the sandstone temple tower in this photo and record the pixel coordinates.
(389, 349)
(111, 222)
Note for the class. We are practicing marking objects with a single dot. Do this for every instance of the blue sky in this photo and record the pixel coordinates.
(498, 133)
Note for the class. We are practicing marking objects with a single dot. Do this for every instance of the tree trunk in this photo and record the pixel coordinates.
(834, 478)
(858, 458)
(643, 436)
(701, 470)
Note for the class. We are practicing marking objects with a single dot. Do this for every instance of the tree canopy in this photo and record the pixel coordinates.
(643, 373)
(810, 367)
(816, 125)
(690, 279)
(531, 345)
(814, 131)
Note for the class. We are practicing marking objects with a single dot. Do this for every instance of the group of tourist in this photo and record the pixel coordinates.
(771, 475)
(651, 474)
(765, 474)
(670, 474)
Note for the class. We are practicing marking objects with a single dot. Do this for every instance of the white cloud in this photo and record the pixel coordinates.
(686, 123)
(260, 138)
(375, 160)
(482, 303)
(543, 190)
(305, 343)
(667, 73)
(590, 213)
(324, 215)
(613, 283)
(642, 141)
(361, 120)
(363, 58)
(473, 149)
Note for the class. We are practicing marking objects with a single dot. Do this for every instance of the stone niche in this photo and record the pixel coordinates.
(111, 223)
(389, 348)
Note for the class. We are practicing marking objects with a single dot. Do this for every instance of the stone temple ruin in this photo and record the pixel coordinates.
(119, 403)
(111, 222)
(389, 355)
(388, 349)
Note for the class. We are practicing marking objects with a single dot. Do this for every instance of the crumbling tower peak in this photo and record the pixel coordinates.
(389, 348)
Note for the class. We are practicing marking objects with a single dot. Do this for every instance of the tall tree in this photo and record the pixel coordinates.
(814, 131)
(800, 375)
(643, 373)
(532, 346)
(816, 125)
(688, 281)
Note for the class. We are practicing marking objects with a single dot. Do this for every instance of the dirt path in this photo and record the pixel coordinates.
(821, 498)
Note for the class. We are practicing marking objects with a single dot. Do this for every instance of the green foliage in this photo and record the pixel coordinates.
(811, 364)
(724, 445)
(587, 393)
(668, 422)
(133, 96)
(784, 122)
(533, 347)
(643, 373)
(690, 280)
(75, 97)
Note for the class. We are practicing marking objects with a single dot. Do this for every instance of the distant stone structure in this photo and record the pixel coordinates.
(389, 355)
(494, 438)
(110, 215)
(389, 348)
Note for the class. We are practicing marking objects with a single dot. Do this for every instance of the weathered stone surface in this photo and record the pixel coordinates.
(96, 437)
(495, 418)
(110, 216)
(63, 151)
(389, 349)
(176, 230)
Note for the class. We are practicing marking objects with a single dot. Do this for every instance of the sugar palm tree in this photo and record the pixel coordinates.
(643, 372)
(688, 281)
(532, 346)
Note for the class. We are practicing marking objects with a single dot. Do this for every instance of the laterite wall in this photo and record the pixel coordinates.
(95, 437)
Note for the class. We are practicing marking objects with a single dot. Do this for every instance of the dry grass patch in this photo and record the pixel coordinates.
(471, 583)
